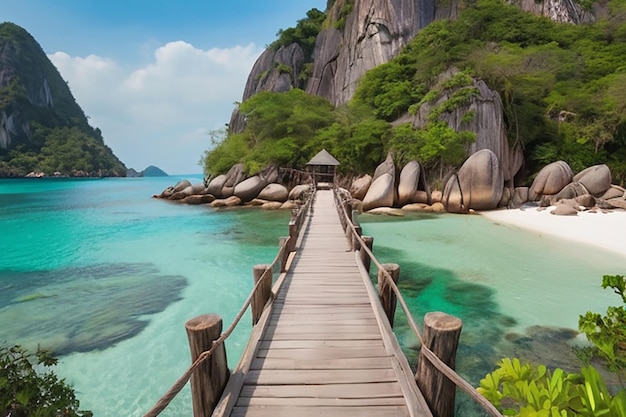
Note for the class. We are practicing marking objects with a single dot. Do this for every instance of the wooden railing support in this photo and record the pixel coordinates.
(210, 378)
(365, 258)
(293, 235)
(284, 252)
(355, 238)
(385, 292)
(441, 336)
(262, 293)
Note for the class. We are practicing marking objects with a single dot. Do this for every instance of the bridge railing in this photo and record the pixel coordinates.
(431, 368)
(209, 371)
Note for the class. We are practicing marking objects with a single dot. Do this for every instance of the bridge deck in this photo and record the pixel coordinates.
(326, 349)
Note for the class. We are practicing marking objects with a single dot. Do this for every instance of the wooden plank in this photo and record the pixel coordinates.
(317, 376)
(322, 353)
(378, 362)
(313, 344)
(322, 402)
(325, 328)
(291, 321)
(373, 390)
(320, 316)
(320, 336)
(299, 411)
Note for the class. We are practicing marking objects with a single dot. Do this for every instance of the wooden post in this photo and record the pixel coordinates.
(355, 239)
(293, 235)
(263, 292)
(441, 336)
(283, 241)
(365, 258)
(210, 377)
(385, 292)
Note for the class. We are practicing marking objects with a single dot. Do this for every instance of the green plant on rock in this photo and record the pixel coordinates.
(25, 390)
(608, 332)
(525, 390)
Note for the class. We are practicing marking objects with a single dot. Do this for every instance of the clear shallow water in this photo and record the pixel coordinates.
(85, 264)
(105, 274)
(519, 293)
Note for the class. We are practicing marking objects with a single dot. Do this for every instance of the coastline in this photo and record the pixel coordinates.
(603, 229)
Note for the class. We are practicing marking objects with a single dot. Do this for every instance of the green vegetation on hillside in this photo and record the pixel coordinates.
(57, 136)
(303, 34)
(561, 86)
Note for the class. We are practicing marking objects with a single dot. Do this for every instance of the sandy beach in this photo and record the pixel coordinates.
(606, 230)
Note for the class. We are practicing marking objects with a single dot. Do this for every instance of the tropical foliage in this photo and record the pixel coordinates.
(608, 332)
(524, 390)
(27, 390)
(304, 34)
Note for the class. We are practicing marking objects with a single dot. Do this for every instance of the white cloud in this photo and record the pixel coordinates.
(161, 113)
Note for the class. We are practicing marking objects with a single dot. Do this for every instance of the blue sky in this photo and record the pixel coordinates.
(156, 75)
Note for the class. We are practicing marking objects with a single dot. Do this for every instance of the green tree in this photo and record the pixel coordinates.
(304, 33)
(27, 391)
(608, 332)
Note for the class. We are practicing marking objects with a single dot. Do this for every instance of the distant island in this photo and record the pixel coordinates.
(150, 171)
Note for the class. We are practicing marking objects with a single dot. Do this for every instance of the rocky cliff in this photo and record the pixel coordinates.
(372, 33)
(34, 102)
(359, 35)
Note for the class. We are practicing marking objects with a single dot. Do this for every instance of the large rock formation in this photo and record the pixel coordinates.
(382, 191)
(412, 187)
(550, 180)
(562, 11)
(478, 184)
(487, 123)
(374, 33)
(597, 179)
(275, 70)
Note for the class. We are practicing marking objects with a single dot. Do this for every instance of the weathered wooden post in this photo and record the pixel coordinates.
(263, 292)
(441, 336)
(210, 377)
(355, 239)
(293, 234)
(283, 243)
(365, 258)
(385, 292)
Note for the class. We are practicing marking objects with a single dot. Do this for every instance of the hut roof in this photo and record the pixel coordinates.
(323, 158)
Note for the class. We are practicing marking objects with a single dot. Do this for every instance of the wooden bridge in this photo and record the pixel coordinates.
(322, 344)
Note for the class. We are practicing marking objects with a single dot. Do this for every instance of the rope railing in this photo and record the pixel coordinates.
(175, 389)
(465, 386)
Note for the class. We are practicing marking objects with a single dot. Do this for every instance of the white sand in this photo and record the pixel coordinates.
(606, 230)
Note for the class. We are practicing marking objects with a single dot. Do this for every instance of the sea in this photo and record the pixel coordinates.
(105, 276)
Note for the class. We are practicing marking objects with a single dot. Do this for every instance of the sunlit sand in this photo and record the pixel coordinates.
(604, 229)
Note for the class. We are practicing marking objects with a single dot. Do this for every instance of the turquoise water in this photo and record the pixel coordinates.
(107, 276)
(519, 293)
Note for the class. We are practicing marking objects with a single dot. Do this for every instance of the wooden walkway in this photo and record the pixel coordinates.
(327, 349)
